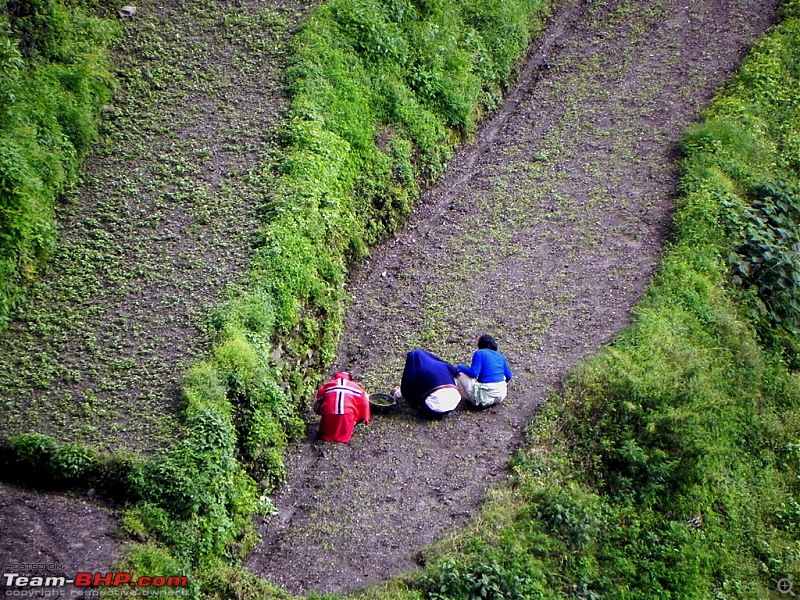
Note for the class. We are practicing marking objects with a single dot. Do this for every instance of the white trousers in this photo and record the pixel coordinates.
(481, 395)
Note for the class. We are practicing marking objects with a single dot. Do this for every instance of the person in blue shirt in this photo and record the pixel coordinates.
(485, 382)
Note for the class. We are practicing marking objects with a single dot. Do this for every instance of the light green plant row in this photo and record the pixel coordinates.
(669, 467)
(54, 80)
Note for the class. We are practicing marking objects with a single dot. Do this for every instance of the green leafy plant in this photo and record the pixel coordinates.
(453, 580)
(565, 512)
(768, 255)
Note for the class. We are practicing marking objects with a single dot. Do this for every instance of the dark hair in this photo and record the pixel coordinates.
(487, 341)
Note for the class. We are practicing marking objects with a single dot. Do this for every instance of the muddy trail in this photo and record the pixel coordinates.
(544, 232)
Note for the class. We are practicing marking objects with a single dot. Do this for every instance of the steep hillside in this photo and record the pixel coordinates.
(544, 232)
(164, 220)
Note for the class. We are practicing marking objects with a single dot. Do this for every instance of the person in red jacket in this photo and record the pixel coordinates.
(342, 403)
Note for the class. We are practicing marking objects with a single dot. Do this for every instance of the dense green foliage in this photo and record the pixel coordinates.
(668, 467)
(768, 256)
(38, 459)
(54, 80)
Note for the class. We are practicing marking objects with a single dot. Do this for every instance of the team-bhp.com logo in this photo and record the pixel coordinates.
(17, 584)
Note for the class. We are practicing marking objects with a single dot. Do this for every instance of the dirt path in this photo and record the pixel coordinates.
(54, 535)
(544, 233)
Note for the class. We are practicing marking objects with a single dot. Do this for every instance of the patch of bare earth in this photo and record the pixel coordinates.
(545, 233)
(53, 535)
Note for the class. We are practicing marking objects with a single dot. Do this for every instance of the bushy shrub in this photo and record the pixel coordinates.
(767, 252)
(453, 580)
(39, 459)
(54, 79)
(568, 513)
(195, 497)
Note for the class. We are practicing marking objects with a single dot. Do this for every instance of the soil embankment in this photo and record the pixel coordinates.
(545, 233)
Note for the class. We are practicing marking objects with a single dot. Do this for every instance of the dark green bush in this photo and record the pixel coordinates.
(567, 514)
(453, 580)
(37, 459)
(767, 252)
(195, 497)
(39, 26)
(34, 450)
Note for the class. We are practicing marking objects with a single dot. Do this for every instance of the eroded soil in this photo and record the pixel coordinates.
(545, 233)
(54, 535)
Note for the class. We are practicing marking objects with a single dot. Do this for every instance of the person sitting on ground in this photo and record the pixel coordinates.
(342, 403)
(428, 384)
(485, 382)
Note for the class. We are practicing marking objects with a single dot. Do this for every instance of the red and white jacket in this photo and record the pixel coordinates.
(342, 403)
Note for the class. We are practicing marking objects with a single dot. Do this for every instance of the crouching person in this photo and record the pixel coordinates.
(342, 403)
(485, 382)
(428, 384)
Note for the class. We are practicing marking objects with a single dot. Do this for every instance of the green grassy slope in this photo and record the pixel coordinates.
(668, 468)
(54, 79)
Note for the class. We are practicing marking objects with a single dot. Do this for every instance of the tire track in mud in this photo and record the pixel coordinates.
(544, 232)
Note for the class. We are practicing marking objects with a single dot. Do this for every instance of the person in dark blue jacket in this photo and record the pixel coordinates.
(485, 382)
(428, 384)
